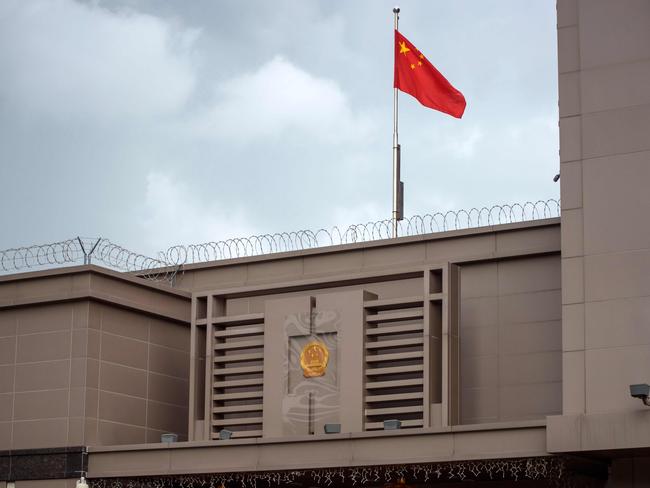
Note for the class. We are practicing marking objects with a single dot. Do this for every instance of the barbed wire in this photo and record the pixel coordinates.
(170, 262)
(82, 250)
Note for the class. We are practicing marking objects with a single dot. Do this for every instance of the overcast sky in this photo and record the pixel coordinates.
(155, 122)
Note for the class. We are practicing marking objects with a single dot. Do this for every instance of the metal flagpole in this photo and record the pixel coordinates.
(398, 196)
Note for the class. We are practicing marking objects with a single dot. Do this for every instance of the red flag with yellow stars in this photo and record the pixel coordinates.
(415, 75)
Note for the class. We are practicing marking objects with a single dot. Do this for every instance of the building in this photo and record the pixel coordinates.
(506, 352)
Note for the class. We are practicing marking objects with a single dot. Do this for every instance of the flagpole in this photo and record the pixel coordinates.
(396, 153)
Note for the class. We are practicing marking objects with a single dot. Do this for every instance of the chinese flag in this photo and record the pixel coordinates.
(415, 75)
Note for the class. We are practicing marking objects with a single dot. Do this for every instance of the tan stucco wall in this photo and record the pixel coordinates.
(83, 361)
(510, 339)
(604, 75)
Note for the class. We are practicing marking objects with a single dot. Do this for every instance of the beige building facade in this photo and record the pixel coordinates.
(500, 355)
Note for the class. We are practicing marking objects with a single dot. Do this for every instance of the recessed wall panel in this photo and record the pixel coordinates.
(510, 339)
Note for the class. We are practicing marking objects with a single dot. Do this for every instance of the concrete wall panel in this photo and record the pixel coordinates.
(573, 381)
(615, 86)
(619, 131)
(616, 224)
(570, 135)
(609, 372)
(510, 339)
(572, 233)
(573, 327)
(569, 89)
(41, 404)
(568, 49)
(613, 32)
(441, 251)
(537, 239)
(620, 275)
(615, 323)
(42, 433)
(571, 188)
(342, 262)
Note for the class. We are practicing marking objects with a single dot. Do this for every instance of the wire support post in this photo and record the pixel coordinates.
(88, 254)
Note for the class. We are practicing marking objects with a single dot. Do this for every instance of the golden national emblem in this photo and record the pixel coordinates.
(313, 359)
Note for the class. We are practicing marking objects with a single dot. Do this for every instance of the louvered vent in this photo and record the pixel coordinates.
(238, 375)
(394, 350)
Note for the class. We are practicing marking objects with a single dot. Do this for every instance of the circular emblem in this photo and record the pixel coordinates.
(313, 359)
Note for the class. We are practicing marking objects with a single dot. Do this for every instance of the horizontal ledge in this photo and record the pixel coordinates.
(405, 423)
(414, 341)
(241, 434)
(240, 332)
(394, 383)
(395, 316)
(244, 319)
(394, 410)
(430, 432)
(238, 421)
(239, 408)
(239, 345)
(234, 383)
(238, 358)
(244, 370)
(394, 356)
(394, 303)
(396, 329)
(218, 397)
(395, 369)
(394, 397)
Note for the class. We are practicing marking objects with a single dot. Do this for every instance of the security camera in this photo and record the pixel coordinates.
(556, 178)
(641, 391)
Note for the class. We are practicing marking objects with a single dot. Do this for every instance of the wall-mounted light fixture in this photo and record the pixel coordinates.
(392, 424)
(169, 437)
(642, 392)
(225, 434)
(332, 428)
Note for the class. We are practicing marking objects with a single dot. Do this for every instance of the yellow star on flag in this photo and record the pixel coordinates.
(412, 66)
(403, 49)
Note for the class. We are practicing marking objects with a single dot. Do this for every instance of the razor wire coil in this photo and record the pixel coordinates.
(170, 262)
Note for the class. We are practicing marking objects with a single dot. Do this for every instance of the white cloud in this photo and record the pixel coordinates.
(173, 215)
(64, 58)
(282, 100)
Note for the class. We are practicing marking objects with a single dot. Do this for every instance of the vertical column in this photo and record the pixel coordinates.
(573, 307)
(276, 362)
(197, 388)
(209, 363)
(440, 342)
(192, 414)
(429, 361)
(348, 306)
(451, 304)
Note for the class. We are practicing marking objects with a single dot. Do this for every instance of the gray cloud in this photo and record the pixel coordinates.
(155, 123)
